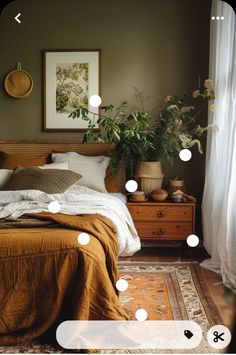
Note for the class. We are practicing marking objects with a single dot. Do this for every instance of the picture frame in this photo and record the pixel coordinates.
(70, 77)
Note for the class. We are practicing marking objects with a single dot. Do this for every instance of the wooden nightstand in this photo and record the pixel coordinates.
(163, 221)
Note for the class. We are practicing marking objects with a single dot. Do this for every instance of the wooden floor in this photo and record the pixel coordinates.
(165, 254)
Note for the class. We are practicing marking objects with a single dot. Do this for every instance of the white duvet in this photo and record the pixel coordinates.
(76, 200)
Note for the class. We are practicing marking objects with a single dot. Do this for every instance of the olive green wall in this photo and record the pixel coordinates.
(158, 46)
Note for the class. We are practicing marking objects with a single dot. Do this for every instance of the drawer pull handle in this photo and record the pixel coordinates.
(161, 214)
(161, 231)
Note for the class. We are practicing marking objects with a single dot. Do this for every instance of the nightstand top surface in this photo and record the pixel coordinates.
(164, 203)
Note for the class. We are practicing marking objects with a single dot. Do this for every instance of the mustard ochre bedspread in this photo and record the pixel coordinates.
(46, 276)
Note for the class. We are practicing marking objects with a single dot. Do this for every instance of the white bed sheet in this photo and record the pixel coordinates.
(120, 196)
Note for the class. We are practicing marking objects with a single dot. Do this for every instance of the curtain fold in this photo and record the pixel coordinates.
(219, 197)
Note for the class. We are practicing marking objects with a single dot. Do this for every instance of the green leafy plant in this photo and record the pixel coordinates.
(176, 129)
(129, 132)
(138, 137)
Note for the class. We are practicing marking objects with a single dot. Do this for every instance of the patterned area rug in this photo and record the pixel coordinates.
(175, 291)
(170, 291)
(167, 291)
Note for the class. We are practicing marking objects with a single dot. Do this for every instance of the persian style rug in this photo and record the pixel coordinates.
(167, 291)
(170, 291)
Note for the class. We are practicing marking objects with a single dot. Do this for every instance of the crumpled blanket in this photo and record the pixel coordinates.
(47, 277)
(75, 201)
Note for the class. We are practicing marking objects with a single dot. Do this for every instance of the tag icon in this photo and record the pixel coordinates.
(188, 334)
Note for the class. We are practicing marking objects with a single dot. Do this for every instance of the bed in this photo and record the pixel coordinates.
(46, 275)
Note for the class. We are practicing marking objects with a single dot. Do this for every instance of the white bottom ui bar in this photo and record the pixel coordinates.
(129, 334)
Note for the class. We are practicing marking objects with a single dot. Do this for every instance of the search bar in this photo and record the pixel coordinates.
(129, 334)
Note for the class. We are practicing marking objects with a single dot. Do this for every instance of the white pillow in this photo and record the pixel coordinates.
(63, 166)
(4, 176)
(93, 169)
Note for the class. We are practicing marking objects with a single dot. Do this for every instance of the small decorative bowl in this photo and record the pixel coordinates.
(138, 196)
(177, 197)
(159, 195)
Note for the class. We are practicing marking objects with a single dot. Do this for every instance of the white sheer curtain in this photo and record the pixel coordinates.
(219, 198)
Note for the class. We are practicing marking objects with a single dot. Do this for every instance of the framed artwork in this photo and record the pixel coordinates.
(70, 77)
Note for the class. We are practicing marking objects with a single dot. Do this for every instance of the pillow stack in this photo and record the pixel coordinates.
(93, 170)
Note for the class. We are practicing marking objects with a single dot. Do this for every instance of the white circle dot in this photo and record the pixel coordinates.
(121, 285)
(131, 185)
(217, 17)
(222, 18)
(83, 238)
(54, 207)
(95, 101)
(141, 314)
(193, 240)
(213, 18)
(185, 154)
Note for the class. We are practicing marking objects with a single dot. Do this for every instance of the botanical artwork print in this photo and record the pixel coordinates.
(71, 86)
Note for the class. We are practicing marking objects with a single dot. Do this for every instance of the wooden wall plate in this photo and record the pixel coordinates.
(18, 84)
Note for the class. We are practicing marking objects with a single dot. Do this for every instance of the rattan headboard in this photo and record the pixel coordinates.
(43, 146)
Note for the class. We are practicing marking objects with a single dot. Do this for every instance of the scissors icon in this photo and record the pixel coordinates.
(218, 336)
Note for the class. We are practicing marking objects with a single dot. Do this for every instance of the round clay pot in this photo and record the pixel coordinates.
(159, 195)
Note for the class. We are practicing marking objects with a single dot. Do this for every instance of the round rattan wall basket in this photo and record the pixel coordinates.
(18, 83)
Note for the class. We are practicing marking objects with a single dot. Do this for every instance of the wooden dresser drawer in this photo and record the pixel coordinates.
(164, 231)
(161, 213)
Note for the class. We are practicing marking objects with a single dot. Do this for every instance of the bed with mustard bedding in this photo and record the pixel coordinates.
(46, 276)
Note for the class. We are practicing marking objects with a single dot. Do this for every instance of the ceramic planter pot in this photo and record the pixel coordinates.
(150, 176)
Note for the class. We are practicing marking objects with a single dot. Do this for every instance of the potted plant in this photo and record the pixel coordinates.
(175, 127)
(129, 132)
(143, 142)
